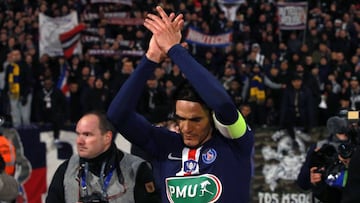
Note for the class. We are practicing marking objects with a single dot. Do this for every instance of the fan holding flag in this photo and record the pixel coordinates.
(50, 107)
(230, 7)
(63, 77)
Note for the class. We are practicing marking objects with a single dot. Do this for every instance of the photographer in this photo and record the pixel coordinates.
(12, 153)
(8, 184)
(322, 170)
(351, 191)
(100, 172)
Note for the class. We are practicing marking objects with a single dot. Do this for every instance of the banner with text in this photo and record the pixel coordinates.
(292, 16)
(125, 21)
(196, 37)
(112, 53)
(125, 2)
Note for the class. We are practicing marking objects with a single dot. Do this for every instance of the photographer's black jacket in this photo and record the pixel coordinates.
(321, 191)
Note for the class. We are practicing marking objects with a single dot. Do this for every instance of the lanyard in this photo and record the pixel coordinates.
(104, 182)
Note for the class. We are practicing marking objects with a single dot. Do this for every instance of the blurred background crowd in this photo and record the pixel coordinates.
(276, 77)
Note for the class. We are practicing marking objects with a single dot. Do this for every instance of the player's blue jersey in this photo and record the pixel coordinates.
(218, 171)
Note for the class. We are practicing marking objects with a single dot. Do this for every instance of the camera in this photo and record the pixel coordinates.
(324, 157)
(328, 164)
(335, 175)
(346, 150)
(95, 197)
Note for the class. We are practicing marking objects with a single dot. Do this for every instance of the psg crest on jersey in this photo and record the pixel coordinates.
(209, 156)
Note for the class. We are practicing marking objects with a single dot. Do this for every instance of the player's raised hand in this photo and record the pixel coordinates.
(166, 29)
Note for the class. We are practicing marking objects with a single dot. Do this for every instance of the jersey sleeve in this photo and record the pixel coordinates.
(232, 131)
(122, 112)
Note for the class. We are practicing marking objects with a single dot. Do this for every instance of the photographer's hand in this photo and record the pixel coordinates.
(345, 161)
(315, 176)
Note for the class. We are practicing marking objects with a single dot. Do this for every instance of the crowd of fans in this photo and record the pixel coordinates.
(283, 78)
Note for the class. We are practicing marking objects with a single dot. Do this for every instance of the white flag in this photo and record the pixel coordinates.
(50, 30)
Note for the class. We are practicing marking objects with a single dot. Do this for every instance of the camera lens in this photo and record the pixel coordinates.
(345, 150)
(94, 197)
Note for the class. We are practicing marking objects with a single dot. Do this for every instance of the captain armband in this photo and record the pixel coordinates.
(233, 131)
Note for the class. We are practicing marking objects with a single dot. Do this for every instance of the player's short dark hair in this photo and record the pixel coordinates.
(185, 91)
